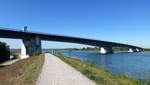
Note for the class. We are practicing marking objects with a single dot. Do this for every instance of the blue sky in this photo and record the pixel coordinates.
(124, 21)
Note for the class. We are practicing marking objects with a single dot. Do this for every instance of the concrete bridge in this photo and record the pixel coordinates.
(32, 41)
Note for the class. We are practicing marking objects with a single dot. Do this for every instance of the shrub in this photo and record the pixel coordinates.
(4, 52)
(15, 56)
(36, 54)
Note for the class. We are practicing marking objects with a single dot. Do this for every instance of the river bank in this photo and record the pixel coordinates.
(22, 72)
(98, 74)
(135, 65)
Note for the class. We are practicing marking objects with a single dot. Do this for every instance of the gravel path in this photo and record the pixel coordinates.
(56, 72)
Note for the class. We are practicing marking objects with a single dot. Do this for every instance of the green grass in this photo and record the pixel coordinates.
(100, 75)
(146, 50)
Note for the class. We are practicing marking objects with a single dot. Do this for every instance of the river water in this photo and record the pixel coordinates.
(136, 65)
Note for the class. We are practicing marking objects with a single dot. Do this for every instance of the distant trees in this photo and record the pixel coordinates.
(90, 49)
(98, 48)
(95, 49)
(120, 49)
(147, 49)
(4, 52)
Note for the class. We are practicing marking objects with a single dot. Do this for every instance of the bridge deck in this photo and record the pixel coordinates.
(7, 33)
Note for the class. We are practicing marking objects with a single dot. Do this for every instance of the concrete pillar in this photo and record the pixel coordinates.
(132, 50)
(137, 50)
(23, 51)
(106, 50)
(30, 46)
(142, 50)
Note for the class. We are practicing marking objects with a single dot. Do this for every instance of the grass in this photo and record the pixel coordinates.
(15, 54)
(146, 51)
(23, 72)
(100, 75)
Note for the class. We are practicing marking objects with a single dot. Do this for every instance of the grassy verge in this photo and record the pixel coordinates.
(147, 51)
(98, 74)
(23, 72)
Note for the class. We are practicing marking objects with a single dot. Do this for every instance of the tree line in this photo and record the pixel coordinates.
(4, 52)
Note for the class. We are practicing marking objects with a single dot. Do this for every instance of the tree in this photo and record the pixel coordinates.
(4, 52)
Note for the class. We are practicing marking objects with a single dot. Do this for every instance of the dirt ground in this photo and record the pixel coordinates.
(23, 72)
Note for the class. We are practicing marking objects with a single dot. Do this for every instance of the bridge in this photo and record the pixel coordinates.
(32, 41)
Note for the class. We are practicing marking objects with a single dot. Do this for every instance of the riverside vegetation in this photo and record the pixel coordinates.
(97, 49)
(4, 52)
(100, 75)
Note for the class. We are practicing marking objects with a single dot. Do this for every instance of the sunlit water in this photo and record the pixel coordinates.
(136, 65)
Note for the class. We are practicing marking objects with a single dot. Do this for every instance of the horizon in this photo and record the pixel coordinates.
(125, 21)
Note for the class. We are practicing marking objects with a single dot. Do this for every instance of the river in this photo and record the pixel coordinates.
(136, 65)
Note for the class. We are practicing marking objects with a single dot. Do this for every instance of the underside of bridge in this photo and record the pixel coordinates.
(33, 45)
(32, 41)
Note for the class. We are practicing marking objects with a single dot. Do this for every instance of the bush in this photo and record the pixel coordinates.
(15, 56)
(36, 54)
(4, 52)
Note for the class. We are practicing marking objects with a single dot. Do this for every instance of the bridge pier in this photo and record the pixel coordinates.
(106, 50)
(138, 50)
(141, 50)
(133, 50)
(30, 46)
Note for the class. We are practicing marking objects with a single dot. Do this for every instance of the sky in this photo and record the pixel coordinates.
(122, 21)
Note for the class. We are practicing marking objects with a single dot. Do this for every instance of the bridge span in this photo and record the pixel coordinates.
(32, 41)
